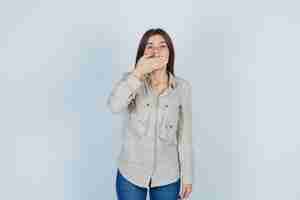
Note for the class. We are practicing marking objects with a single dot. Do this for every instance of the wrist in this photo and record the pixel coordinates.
(137, 74)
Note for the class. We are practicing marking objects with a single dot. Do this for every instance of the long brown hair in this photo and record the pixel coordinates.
(167, 38)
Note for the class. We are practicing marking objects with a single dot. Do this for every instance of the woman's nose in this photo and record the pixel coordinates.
(156, 51)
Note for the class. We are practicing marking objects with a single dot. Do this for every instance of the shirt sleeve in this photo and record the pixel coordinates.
(123, 92)
(185, 135)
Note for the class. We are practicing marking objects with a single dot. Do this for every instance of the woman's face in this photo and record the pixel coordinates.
(157, 46)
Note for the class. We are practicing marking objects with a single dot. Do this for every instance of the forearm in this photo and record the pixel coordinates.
(124, 91)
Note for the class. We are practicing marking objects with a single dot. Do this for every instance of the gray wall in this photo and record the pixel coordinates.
(59, 60)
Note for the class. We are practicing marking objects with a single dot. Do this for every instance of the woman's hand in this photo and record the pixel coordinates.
(186, 191)
(147, 63)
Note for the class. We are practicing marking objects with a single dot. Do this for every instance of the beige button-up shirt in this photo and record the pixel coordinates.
(157, 140)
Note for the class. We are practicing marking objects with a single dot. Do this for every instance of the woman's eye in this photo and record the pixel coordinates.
(149, 47)
(163, 46)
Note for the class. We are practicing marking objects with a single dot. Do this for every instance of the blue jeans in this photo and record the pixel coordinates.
(129, 191)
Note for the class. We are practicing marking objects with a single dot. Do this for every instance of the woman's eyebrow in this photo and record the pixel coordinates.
(159, 42)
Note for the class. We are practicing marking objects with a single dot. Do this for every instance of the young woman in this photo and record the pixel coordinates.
(157, 147)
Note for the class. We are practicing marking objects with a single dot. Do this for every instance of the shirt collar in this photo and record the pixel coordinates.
(172, 80)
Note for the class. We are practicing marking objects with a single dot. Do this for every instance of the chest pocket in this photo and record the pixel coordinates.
(139, 117)
(170, 109)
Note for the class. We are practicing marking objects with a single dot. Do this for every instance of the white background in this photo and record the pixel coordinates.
(59, 59)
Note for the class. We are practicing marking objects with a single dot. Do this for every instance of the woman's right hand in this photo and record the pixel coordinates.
(147, 63)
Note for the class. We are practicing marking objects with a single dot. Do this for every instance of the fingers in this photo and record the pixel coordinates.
(151, 63)
(184, 193)
(187, 190)
(159, 62)
(148, 55)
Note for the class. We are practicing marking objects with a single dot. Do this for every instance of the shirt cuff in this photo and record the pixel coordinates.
(133, 82)
(187, 179)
